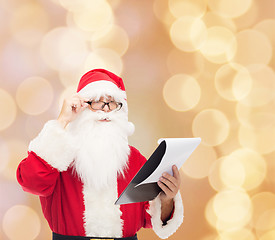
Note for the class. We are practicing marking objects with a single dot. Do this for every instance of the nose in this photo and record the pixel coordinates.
(106, 108)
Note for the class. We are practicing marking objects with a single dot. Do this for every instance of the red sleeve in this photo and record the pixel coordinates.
(147, 216)
(36, 176)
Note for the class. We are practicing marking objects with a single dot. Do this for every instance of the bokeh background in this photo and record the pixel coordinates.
(192, 68)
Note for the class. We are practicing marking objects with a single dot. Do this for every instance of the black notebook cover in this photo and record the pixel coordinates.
(137, 192)
(144, 192)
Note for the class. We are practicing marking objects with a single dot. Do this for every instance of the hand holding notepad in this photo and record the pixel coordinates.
(171, 151)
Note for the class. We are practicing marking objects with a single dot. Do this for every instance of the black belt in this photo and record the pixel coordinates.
(64, 237)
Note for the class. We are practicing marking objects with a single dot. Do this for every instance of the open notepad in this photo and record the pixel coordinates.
(171, 151)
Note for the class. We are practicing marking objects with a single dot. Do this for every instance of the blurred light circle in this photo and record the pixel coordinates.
(67, 92)
(103, 58)
(270, 160)
(162, 13)
(17, 151)
(181, 92)
(256, 117)
(5, 15)
(56, 2)
(262, 203)
(212, 126)
(232, 172)
(263, 86)
(229, 8)
(29, 23)
(220, 45)
(260, 139)
(94, 15)
(212, 19)
(214, 176)
(34, 95)
(115, 39)
(254, 166)
(270, 235)
(199, 163)
(5, 154)
(28, 63)
(233, 207)
(72, 5)
(249, 19)
(189, 63)
(209, 237)
(21, 222)
(115, 3)
(253, 48)
(266, 221)
(61, 43)
(194, 8)
(137, 25)
(70, 69)
(188, 33)
(233, 82)
(8, 109)
(267, 27)
(209, 213)
(241, 234)
(242, 82)
(224, 226)
(33, 126)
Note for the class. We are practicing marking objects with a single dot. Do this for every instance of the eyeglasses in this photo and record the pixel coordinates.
(99, 105)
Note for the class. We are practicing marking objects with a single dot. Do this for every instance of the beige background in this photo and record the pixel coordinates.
(191, 68)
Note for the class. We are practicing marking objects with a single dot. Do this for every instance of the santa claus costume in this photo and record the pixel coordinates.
(78, 172)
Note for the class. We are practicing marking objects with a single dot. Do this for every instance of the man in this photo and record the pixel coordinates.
(80, 163)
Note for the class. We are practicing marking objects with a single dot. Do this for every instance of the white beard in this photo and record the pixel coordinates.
(103, 148)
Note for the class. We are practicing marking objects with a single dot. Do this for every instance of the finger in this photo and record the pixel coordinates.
(165, 189)
(169, 177)
(83, 103)
(84, 100)
(83, 106)
(77, 97)
(169, 184)
(176, 173)
(75, 105)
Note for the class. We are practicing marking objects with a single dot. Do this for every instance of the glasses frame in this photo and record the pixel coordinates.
(106, 103)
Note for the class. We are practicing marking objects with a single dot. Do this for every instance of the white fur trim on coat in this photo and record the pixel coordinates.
(54, 145)
(102, 218)
(164, 231)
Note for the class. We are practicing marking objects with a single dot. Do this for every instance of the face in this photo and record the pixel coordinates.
(106, 108)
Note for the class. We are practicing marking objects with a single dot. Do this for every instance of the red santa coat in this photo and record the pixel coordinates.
(71, 208)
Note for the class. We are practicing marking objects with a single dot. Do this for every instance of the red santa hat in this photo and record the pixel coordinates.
(100, 82)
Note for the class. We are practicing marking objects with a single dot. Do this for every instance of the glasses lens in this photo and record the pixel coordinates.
(97, 105)
(113, 105)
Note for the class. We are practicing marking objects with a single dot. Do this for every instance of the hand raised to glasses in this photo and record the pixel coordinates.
(71, 107)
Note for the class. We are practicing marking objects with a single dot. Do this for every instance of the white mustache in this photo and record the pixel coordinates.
(104, 116)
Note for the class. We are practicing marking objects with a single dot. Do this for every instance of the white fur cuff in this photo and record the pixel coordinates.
(54, 145)
(164, 231)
